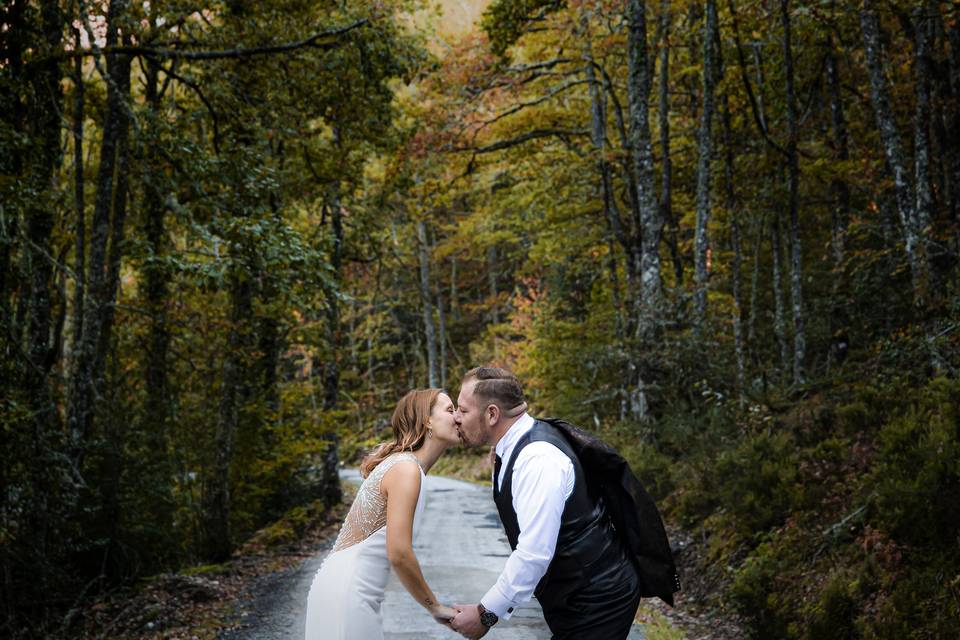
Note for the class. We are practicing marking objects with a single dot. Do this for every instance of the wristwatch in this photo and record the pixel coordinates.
(487, 618)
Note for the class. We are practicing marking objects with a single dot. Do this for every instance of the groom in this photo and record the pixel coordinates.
(564, 550)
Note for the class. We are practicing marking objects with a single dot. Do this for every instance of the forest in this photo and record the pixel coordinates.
(722, 234)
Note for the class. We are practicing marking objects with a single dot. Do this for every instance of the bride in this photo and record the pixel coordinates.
(347, 591)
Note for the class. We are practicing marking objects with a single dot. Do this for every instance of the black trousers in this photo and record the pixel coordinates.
(603, 610)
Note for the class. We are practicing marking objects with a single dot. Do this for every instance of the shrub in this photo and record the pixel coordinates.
(917, 474)
(650, 465)
(832, 616)
(755, 593)
(757, 483)
(923, 603)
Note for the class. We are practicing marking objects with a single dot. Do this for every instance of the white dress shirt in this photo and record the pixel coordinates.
(543, 479)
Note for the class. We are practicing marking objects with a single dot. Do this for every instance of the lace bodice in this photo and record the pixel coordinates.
(368, 513)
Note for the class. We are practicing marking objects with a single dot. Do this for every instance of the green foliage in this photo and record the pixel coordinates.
(832, 617)
(467, 464)
(917, 472)
(754, 485)
(882, 566)
(920, 604)
(652, 467)
(270, 278)
(752, 589)
(286, 530)
(505, 21)
(657, 626)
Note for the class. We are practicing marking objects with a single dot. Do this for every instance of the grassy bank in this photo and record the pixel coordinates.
(833, 513)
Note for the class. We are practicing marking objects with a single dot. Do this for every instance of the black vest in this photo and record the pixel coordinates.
(586, 544)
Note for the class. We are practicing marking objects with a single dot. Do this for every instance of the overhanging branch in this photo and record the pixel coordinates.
(525, 137)
(322, 40)
(563, 134)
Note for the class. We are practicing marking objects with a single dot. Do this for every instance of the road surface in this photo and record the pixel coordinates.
(461, 547)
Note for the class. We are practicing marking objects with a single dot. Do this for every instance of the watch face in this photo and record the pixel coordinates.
(488, 618)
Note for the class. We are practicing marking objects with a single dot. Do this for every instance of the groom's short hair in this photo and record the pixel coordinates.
(496, 385)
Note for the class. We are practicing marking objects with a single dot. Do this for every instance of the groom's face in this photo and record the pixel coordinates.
(470, 417)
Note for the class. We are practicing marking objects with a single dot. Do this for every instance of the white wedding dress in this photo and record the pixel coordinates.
(347, 591)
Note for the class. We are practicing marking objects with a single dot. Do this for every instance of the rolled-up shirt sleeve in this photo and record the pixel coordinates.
(543, 479)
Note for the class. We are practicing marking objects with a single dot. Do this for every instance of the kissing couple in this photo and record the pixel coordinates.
(586, 539)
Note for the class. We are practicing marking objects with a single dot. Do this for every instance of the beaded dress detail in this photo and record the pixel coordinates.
(368, 513)
(347, 591)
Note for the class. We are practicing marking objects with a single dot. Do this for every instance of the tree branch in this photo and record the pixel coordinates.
(546, 64)
(748, 87)
(196, 88)
(563, 134)
(318, 40)
(531, 103)
(525, 137)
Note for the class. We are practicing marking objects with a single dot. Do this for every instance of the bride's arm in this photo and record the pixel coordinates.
(401, 487)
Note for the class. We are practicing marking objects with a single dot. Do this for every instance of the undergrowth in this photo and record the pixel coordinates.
(831, 514)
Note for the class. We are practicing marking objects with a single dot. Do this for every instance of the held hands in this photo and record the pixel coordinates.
(467, 623)
(443, 614)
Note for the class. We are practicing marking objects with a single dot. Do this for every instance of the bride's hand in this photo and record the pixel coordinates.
(443, 614)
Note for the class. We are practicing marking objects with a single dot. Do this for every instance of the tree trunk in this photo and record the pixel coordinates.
(953, 140)
(332, 493)
(629, 234)
(156, 410)
(43, 123)
(269, 347)
(80, 226)
(612, 216)
(13, 117)
(103, 264)
(701, 240)
(666, 164)
(492, 283)
(754, 285)
(42, 161)
(331, 369)
(117, 225)
(793, 172)
(641, 146)
(598, 136)
(693, 18)
(940, 98)
(731, 207)
(840, 192)
(454, 300)
(839, 187)
(779, 312)
(923, 203)
(426, 302)
(913, 234)
(442, 338)
(217, 499)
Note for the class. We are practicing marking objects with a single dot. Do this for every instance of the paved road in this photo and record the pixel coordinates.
(461, 548)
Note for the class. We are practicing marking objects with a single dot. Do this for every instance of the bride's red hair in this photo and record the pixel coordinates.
(409, 422)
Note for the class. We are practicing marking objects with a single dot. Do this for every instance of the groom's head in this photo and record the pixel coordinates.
(487, 404)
